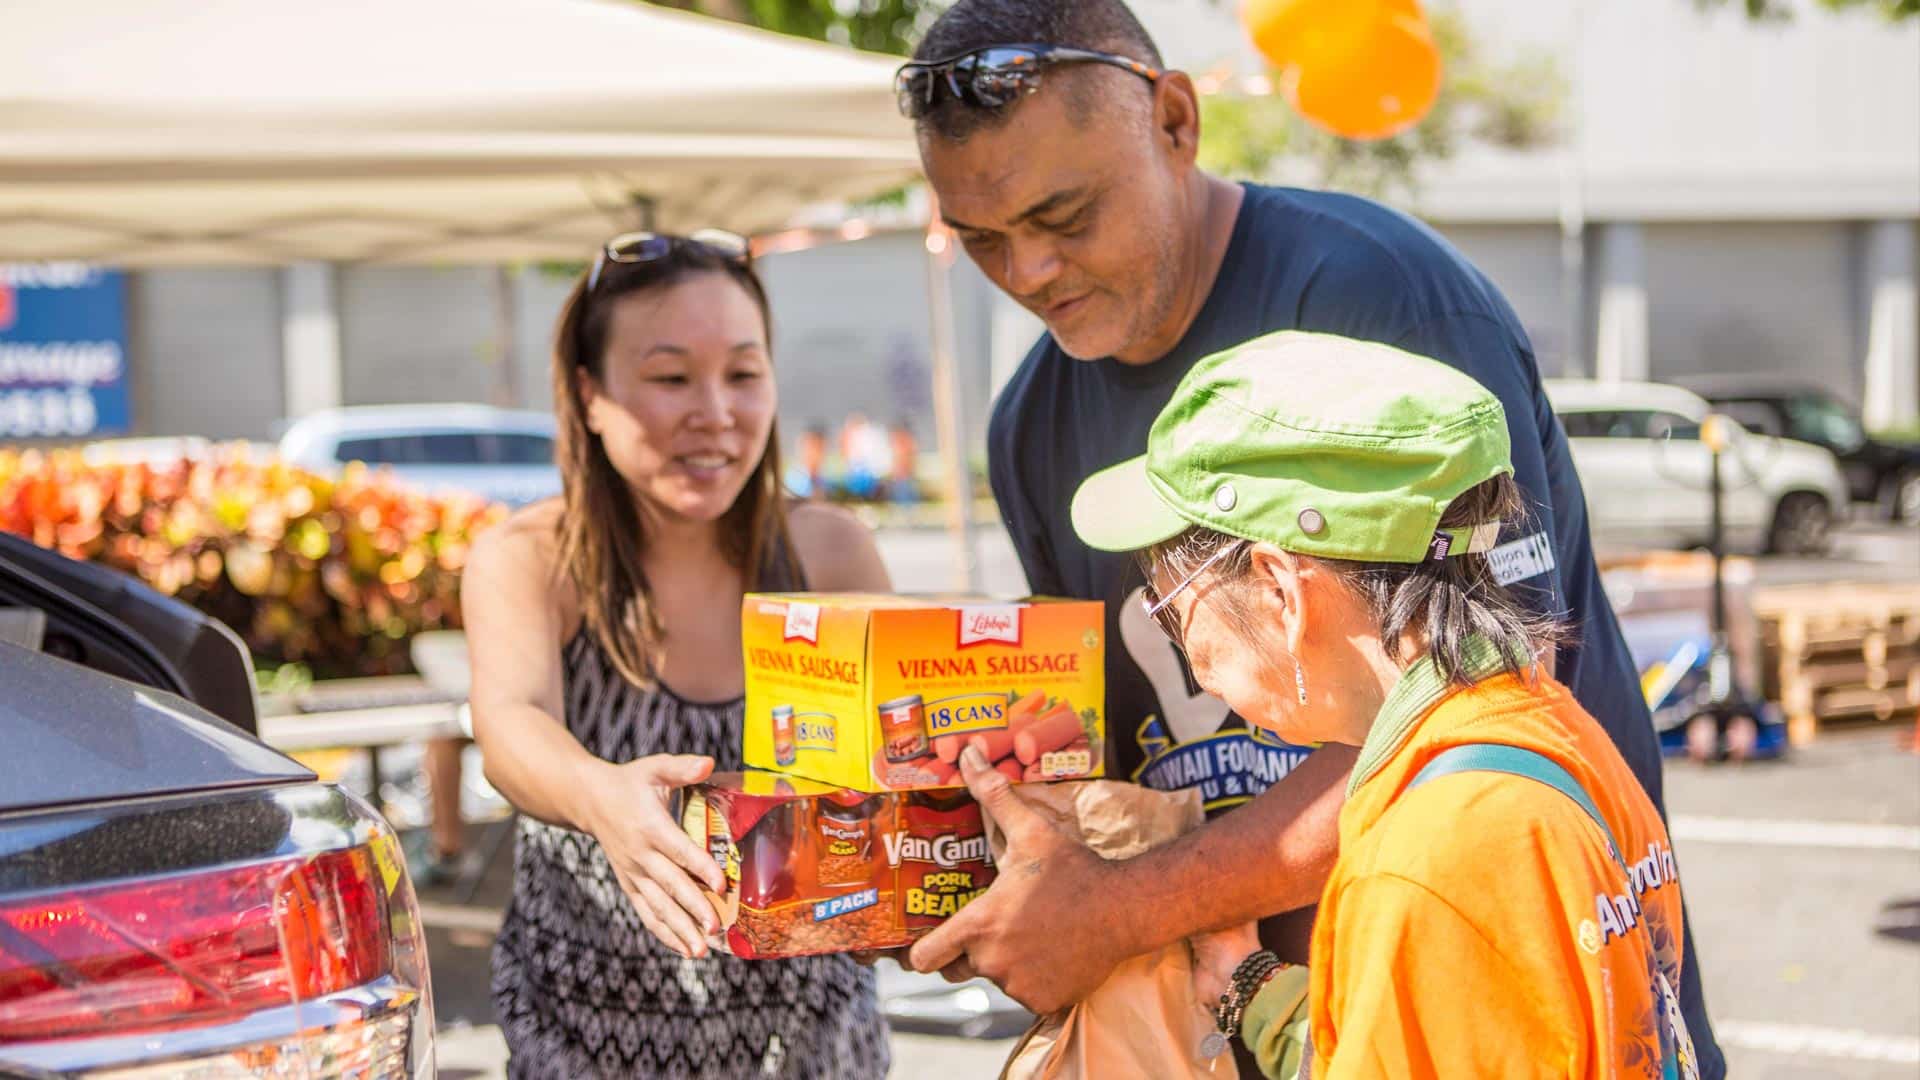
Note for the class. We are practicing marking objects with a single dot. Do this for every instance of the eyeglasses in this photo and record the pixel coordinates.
(995, 75)
(1157, 606)
(639, 247)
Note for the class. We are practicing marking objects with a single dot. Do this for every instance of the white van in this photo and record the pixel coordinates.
(502, 455)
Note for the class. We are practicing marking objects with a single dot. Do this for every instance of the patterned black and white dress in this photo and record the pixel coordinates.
(582, 989)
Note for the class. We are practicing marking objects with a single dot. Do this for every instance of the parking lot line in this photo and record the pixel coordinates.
(1773, 833)
(1800, 1040)
(460, 917)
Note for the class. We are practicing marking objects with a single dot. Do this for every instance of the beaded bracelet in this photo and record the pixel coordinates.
(1247, 980)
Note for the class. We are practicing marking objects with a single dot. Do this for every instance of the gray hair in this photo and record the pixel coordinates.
(1450, 601)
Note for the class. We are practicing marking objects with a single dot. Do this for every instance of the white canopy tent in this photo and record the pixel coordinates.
(202, 132)
(220, 131)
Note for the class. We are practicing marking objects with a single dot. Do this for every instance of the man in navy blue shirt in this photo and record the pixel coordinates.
(1068, 173)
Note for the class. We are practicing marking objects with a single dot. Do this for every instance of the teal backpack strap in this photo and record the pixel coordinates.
(1517, 761)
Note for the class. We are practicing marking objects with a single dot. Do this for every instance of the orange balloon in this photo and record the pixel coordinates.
(1377, 96)
(1289, 32)
(1362, 69)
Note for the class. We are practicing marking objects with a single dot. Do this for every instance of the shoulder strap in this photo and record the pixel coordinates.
(1676, 1050)
(1517, 761)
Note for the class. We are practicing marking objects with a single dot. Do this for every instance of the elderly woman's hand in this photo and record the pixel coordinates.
(1216, 955)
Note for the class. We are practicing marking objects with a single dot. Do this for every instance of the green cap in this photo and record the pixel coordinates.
(1318, 444)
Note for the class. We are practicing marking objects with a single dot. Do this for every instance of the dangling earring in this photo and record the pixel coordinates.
(1300, 682)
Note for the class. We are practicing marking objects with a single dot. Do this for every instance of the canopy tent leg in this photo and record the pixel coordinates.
(312, 376)
(505, 390)
(947, 405)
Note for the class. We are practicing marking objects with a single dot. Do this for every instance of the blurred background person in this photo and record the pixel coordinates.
(864, 456)
(903, 485)
(807, 478)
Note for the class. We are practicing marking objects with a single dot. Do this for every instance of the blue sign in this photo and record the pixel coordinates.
(63, 352)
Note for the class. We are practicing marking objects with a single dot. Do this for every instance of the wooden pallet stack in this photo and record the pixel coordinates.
(1839, 652)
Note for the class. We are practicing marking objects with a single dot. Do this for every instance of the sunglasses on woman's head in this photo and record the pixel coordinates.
(639, 247)
(994, 76)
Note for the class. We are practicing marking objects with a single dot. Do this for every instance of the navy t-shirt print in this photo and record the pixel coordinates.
(1192, 739)
(1312, 261)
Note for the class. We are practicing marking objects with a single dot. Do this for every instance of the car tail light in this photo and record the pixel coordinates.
(310, 966)
(194, 948)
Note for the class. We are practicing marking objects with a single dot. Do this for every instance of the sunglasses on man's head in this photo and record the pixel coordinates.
(995, 75)
(639, 247)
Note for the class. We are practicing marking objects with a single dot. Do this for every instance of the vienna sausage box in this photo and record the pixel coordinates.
(881, 693)
(812, 868)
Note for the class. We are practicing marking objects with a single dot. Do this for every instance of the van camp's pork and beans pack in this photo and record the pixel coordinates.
(811, 868)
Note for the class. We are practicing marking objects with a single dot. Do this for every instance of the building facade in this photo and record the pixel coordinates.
(1738, 196)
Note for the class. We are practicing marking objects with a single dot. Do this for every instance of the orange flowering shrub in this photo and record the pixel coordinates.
(333, 574)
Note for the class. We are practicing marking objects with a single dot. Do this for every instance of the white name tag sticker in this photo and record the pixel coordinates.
(1518, 560)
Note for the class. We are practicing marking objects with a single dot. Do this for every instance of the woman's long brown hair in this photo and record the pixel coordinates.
(601, 532)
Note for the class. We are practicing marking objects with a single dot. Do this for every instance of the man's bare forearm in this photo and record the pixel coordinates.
(1270, 856)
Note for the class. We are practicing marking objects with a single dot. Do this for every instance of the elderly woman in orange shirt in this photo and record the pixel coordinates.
(1314, 516)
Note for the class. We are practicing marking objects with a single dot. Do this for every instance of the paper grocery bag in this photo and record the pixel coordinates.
(1146, 1019)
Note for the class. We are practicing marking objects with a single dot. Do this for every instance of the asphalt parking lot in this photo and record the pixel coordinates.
(1803, 878)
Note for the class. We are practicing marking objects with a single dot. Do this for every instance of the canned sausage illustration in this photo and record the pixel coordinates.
(903, 728)
(783, 745)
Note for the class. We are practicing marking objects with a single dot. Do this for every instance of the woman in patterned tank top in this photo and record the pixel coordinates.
(605, 633)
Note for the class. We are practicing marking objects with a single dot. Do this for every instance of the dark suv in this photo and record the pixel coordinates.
(176, 898)
(1886, 474)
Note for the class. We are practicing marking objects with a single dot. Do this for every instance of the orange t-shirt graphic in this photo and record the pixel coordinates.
(1479, 925)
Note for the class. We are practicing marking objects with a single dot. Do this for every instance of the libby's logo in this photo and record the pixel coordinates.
(998, 623)
(803, 624)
